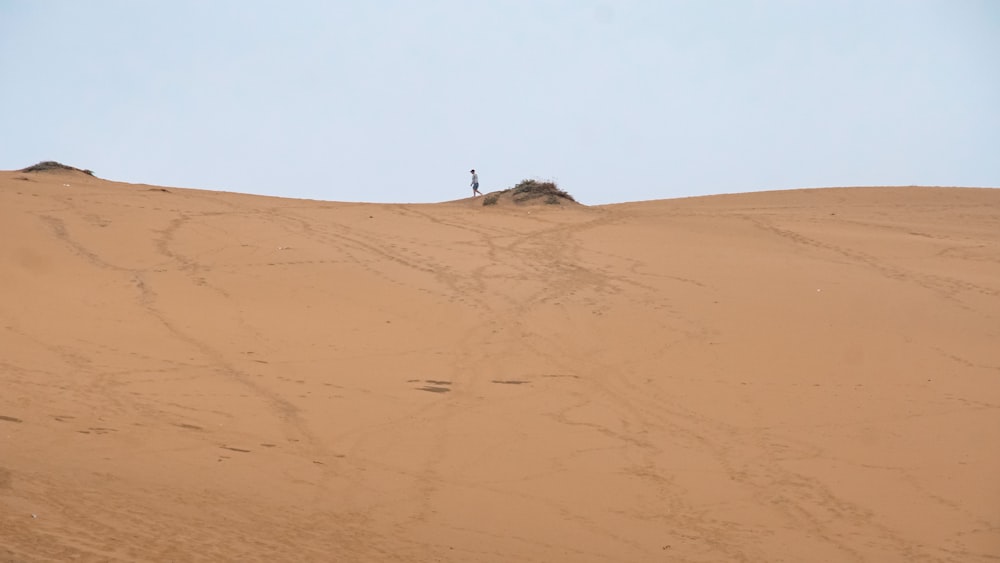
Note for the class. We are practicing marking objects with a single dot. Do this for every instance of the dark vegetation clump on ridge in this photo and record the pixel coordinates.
(528, 190)
(51, 165)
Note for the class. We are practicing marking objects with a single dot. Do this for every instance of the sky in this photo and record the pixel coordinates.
(396, 100)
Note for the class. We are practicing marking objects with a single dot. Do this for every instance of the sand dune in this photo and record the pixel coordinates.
(808, 375)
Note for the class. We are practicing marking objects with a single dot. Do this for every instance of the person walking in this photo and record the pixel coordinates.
(475, 183)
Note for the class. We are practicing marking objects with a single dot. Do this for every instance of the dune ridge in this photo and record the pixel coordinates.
(807, 375)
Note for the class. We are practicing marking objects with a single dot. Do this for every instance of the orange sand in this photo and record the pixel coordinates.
(808, 375)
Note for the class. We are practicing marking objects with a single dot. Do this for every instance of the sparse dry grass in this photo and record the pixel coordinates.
(530, 190)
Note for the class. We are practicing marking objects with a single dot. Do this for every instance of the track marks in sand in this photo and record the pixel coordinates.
(757, 461)
(552, 265)
(948, 287)
(609, 424)
(61, 233)
(206, 358)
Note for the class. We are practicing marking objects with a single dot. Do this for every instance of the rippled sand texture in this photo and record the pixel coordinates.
(809, 375)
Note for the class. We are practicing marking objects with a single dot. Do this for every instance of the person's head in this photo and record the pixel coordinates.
(473, 170)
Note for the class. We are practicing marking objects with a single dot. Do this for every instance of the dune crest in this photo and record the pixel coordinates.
(808, 375)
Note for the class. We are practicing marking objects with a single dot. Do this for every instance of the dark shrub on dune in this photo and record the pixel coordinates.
(53, 166)
(528, 191)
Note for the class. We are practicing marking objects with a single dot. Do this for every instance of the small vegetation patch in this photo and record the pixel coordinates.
(53, 166)
(530, 191)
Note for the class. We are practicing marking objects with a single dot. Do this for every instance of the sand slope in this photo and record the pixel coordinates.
(792, 376)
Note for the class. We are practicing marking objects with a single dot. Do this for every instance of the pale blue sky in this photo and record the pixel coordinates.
(394, 101)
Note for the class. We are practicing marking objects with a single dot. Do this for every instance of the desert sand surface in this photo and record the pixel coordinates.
(806, 375)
